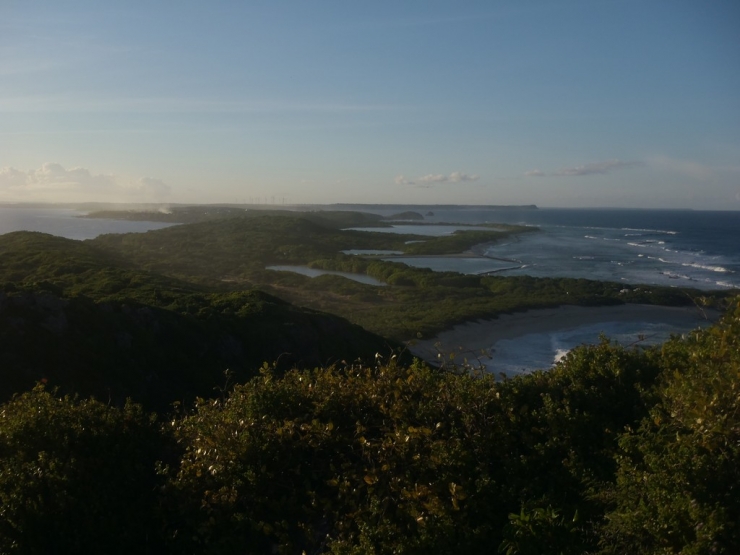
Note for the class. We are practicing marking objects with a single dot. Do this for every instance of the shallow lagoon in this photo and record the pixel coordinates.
(463, 265)
(370, 252)
(313, 272)
(430, 230)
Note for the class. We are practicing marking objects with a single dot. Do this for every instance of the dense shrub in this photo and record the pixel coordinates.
(678, 484)
(393, 459)
(77, 476)
(614, 450)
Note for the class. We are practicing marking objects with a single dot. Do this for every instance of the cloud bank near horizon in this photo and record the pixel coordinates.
(54, 183)
(432, 179)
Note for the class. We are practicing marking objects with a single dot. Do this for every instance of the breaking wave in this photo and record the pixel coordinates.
(665, 231)
(710, 268)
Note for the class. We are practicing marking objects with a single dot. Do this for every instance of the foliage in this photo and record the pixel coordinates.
(567, 423)
(619, 450)
(463, 240)
(391, 458)
(614, 449)
(233, 253)
(204, 213)
(678, 486)
(77, 476)
(541, 531)
(121, 347)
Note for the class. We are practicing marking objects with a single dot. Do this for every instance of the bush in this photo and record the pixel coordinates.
(77, 476)
(678, 485)
(386, 460)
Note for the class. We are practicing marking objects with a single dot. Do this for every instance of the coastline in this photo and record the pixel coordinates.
(482, 335)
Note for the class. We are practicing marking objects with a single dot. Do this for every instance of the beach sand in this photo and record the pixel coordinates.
(483, 335)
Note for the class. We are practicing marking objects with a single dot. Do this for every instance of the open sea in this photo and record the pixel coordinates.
(685, 248)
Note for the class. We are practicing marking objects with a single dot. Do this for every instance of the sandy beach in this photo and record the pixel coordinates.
(485, 335)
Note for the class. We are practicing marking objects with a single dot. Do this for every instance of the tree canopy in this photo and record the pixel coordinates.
(614, 450)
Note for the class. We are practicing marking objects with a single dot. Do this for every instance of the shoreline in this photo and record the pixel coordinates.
(482, 335)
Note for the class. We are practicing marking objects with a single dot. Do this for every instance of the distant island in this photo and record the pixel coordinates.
(408, 215)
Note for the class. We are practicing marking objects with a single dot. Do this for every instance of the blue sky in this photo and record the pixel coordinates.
(568, 103)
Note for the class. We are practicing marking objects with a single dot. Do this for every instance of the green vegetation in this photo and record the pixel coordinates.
(83, 320)
(201, 213)
(613, 451)
(160, 316)
(78, 476)
(232, 254)
(343, 445)
(466, 239)
(678, 485)
(118, 348)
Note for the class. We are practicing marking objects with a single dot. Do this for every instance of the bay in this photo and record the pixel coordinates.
(65, 222)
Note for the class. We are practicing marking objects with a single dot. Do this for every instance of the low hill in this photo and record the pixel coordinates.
(81, 319)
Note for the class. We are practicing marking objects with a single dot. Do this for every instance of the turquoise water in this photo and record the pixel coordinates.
(699, 249)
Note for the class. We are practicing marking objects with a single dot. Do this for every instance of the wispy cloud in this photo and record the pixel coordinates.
(432, 179)
(594, 168)
(607, 166)
(61, 103)
(53, 182)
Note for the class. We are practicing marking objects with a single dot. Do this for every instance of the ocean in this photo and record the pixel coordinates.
(684, 248)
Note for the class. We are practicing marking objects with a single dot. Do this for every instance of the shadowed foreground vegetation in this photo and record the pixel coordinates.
(612, 451)
(119, 348)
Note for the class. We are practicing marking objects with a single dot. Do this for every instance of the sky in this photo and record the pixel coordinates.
(592, 103)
